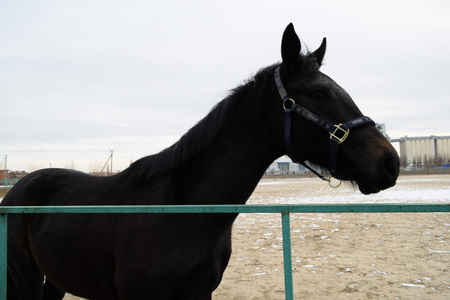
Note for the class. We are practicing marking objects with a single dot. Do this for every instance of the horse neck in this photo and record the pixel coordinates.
(228, 171)
(222, 158)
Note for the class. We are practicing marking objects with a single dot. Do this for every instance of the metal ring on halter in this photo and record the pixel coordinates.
(331, 185)
(286, 100)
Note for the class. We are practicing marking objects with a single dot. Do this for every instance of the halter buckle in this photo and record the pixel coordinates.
(341, 131)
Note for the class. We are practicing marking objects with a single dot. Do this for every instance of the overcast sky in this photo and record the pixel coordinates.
(79, 78)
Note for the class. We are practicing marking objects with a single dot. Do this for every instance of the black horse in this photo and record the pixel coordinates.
(219, 161)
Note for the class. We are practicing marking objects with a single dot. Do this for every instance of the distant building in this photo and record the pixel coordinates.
(382, 128)
(284, 165)
(4, 174)
(8, 178)
(424, 151)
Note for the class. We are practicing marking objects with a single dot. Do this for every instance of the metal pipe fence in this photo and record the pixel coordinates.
(284, 210)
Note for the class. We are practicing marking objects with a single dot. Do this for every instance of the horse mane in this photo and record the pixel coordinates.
(195, 140)
(207, 130)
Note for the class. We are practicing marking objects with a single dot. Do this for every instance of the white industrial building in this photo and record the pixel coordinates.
(424, 151)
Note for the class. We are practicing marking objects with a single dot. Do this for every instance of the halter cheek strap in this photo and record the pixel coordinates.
(338, 133)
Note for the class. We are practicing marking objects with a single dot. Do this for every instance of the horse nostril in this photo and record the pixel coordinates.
(390, 166)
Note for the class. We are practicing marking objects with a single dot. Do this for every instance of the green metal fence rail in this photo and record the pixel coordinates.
(285, 211)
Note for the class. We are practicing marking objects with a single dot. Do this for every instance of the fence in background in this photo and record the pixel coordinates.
(284, 210)
(8, 182)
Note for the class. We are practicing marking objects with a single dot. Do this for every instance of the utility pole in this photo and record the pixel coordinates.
(110, 159)
(6, 161)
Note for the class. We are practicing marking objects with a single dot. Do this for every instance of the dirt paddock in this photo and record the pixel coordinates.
(342, 256)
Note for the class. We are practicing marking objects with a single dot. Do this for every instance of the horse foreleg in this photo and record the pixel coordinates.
(209, 297)
(25, 280)
(11, 289)
(51, 292)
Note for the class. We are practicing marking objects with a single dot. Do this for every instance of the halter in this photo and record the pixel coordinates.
(338, 133)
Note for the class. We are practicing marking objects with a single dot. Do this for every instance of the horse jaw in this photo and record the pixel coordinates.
(385, 178)
(368, 189)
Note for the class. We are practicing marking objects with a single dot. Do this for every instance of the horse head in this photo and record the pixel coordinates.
(324, 126)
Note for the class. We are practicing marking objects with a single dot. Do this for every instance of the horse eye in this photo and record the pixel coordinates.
(318, 95)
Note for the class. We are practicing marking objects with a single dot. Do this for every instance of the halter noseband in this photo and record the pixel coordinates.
(338, 133)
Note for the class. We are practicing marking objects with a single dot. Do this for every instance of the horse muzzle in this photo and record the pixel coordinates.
(384, 176)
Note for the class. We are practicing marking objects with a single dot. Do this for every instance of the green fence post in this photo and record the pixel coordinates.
(288, 284)
(3, 259)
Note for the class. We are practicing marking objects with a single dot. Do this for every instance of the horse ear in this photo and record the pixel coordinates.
(320, 52)
(290, 47)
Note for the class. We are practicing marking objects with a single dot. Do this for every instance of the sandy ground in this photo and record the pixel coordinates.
(341, 256)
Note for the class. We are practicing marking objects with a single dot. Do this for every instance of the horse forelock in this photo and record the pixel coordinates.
(307, 63)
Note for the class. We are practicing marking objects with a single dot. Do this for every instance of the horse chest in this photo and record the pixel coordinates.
(175, 267)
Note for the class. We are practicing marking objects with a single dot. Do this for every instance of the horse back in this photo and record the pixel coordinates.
(53, 187)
